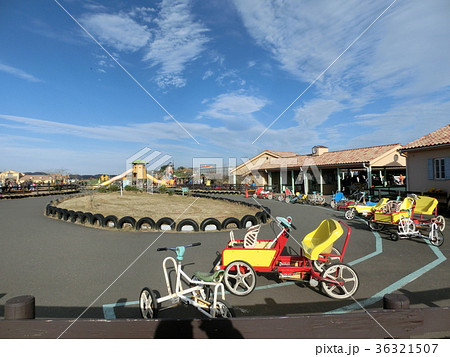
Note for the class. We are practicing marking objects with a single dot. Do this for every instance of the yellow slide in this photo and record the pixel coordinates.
(115, 178)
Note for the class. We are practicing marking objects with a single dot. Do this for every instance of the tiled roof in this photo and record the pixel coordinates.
(360, 155)
(438, 137)
(350, 156)
(281, 153)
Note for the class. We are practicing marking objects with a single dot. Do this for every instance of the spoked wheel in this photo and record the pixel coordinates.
(223, 309)
(239, 278)
(148, 304)
(441, 223)
(376, 226)
(321, 265)
(350, 214)
(269, 196)
(406, 226)
(280, 198)
(346, 281)
(436, 237)
(287, 200)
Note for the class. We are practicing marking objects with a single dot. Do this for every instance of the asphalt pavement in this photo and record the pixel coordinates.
(80, 271)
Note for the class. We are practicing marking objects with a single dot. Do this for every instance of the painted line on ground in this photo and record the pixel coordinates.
(397, 285)
(108, 309)
(109, 313)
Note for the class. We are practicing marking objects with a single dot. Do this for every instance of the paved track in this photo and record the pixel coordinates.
(72, 269)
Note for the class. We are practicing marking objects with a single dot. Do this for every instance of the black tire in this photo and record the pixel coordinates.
(350, 214)
(261, 217)
(57, 212)
(210, 222)
(147, 304)
(340, 272)
(165, 221)
(67, 215)
(187, 222)
(47, 210)
(72, 216)
(374, 226)
(87, 217)
(394, 236)
(127, 220)
(231, 220)
(77, 216)
(239, 278)
(111, 221)
(248, 218)
(98, 219)
(145, 223)
(61, 213)
(224, 309)
(436, 237)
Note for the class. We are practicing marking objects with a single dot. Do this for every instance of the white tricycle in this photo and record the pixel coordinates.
(197, 290)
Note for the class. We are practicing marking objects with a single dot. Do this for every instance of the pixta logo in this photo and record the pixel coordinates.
(153, 159)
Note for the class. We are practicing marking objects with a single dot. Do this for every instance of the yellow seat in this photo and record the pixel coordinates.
(425, 205)
(320, 241)
(369, 209)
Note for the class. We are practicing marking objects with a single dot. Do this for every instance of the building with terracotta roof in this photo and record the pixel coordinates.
(323, 170)
(428, 162)
(10, 176)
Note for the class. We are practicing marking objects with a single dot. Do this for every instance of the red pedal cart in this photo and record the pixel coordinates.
(319, 262)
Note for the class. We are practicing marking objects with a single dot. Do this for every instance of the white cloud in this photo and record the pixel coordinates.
(117, 30)
(233, 106)
(315, 112)
(18, 73)
(178, 40)
(411, 54)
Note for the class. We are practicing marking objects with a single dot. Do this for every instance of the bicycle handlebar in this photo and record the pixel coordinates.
(186, 246)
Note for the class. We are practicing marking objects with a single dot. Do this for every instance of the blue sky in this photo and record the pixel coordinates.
(226, 79)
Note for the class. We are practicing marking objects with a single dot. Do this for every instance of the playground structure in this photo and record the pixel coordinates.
(139, 177)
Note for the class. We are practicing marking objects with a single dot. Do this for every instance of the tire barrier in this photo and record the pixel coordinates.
(210, 222)
(9, 196)
(87, 217)
(248, 218)
(111, 221)
(189, 223)
(146, 224)
(126, 221)
(165, 221)
(230, 221)
(98, 220)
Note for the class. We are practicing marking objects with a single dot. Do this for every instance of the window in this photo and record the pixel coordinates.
(439, 169)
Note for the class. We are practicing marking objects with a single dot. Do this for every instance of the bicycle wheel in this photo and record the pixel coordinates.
(222, 309)
(376, 226)
(436, 237)
(346, 279)
(321, 265)
(440, 220)
(406, 226)
(239, 278)
(333, 204)
(147, 304)
(350, 214)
